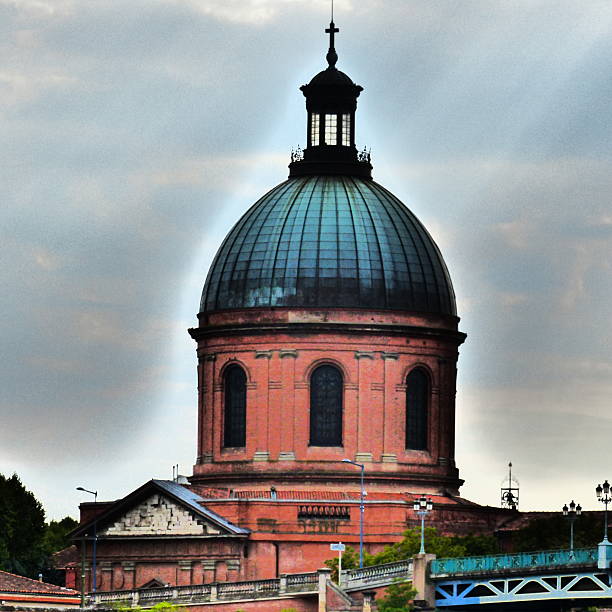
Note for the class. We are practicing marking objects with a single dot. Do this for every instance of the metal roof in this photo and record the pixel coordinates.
(192, 500)
(175, 491)
(329, 241)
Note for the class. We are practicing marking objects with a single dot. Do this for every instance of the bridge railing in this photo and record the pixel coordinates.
(375, 575)
(461, 566)
(219, 591)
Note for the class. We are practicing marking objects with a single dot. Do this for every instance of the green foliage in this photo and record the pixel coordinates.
(56, 534)
(350, 560)
(439, 545)
(124, 606)
(398, 597)
(165, 606)
(553, 532)
(26, 542)
(22, 529)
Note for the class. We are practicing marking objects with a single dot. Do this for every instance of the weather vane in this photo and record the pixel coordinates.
(510, 491)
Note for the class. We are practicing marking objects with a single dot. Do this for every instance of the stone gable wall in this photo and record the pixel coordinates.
(159, 515)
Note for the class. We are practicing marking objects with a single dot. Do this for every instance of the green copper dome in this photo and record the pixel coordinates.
(329, 242)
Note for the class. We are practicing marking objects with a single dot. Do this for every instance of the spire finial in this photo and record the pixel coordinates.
(332, 56)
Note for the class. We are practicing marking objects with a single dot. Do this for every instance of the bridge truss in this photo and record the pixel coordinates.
(565, 585)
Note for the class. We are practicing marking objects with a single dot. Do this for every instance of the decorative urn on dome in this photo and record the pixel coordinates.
(327, 329)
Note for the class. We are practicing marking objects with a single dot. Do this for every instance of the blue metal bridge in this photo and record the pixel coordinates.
(517, 579)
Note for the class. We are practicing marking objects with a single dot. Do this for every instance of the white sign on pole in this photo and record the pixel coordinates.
(340, 547)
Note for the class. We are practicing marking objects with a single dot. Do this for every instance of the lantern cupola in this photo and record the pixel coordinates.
(331, 102)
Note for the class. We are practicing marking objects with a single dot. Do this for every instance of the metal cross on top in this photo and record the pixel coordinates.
(332, 56)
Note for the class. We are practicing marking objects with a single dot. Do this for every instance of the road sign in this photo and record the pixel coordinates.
(339, 546)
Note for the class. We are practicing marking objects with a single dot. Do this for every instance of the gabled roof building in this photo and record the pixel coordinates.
(28, 593)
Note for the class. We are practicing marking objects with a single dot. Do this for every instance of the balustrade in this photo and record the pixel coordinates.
(377, 574)
(302, 582)
(518, 561)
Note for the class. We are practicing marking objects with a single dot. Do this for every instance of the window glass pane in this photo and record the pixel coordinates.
(314, 129)
(326, 390)
(234, 387)
(331, 129)
(346, 130)
(417, 399)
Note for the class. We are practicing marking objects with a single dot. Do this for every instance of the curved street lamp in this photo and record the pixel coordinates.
(95, 542)
(423, 506)
(571, 513)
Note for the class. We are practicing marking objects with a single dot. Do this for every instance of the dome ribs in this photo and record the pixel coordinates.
(329, 241)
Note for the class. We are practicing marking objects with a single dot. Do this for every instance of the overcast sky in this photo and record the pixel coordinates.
(134, 134)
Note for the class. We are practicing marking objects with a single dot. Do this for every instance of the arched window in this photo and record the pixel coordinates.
(417, 402)
(326, 406)
(234, 390)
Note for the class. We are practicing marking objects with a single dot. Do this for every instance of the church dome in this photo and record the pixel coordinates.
(336, 241)
(331, 76)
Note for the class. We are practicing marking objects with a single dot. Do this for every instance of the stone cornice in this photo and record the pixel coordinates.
(250, 329)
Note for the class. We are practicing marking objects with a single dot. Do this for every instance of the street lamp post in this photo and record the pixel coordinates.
(422, 506)
(605, 548)
(603, 495)
(571, 514)
(361, 508)
(95, 540)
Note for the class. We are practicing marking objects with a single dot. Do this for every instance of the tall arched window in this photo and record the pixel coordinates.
(326, 406)
(234, 391)
(417, 402)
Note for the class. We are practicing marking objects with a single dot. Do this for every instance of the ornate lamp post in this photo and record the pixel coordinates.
(94, 546)
(605, 552)
(423, 506)
(361, 509)
(571, 514)
(603, 495)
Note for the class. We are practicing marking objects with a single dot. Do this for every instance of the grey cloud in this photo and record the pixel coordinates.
(138, 133)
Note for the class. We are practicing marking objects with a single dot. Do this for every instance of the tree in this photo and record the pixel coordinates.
(552, 532)
(398, 597)
(56, 534)
(22, 529)
(439, 545)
